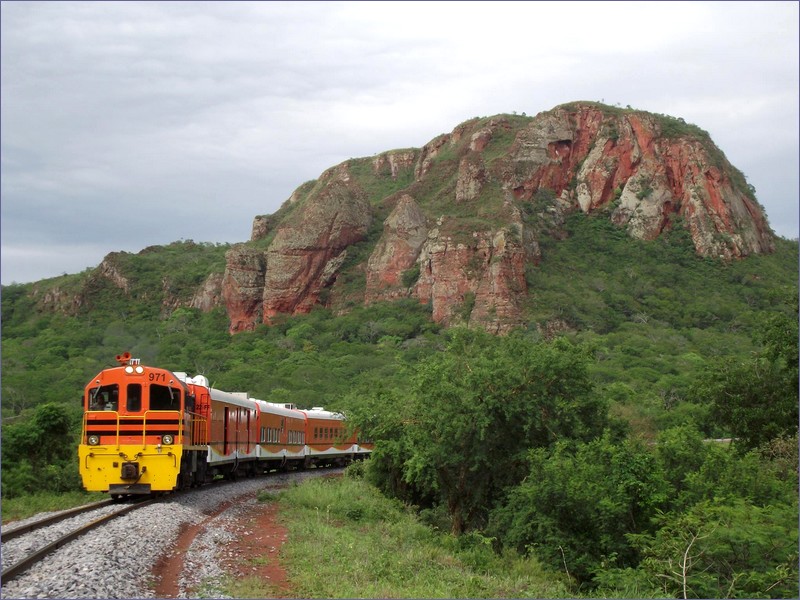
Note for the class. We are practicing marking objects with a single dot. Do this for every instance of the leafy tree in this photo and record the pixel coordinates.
(779, 337)
(579, 503)
(481, 404)
(757, 398)
(40, 453)
(736, 550)
(755, 476)
(680, 451)
(379, 408)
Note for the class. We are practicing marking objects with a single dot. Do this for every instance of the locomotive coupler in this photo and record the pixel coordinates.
(130, 470)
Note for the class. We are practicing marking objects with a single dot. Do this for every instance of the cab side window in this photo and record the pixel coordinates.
(105, 397)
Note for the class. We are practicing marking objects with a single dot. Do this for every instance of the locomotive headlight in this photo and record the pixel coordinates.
(93, 440)
(129, 369)
(139, 369)
(167, 440)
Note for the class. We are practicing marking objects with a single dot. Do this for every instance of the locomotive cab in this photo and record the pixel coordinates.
(135, 424)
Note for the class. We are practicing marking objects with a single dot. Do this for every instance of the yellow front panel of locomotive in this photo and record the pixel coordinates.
(101, 466)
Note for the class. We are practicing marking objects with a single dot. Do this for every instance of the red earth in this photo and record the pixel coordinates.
(256, 554)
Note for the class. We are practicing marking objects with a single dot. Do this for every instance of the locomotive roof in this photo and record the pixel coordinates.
(321, 413)
(232, 398)
(245, 401)
(278, 409)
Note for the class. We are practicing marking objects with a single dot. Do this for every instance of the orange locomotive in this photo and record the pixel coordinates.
(148, 430)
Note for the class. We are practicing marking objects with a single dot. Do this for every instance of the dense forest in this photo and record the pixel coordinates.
(639, 435)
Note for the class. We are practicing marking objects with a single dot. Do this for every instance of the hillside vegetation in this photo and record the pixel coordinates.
(575, 442)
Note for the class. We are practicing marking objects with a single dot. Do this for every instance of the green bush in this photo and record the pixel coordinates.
(410, 276)
(580, 502)
(484, 402)
(735, 550)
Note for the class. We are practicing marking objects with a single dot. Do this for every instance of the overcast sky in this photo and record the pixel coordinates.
(128, 124)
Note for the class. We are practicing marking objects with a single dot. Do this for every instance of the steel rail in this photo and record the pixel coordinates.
(21, 566)
(9, 534)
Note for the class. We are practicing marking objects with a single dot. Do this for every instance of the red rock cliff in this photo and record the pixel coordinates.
(649, 168)
(466, 211)
(308, 249)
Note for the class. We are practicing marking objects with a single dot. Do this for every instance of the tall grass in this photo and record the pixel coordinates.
(348, 541)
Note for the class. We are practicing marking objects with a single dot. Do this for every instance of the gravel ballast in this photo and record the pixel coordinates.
(116, 560)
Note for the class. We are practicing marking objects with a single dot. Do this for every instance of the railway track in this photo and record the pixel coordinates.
(22, 565)
(123, 558)
(15, 532)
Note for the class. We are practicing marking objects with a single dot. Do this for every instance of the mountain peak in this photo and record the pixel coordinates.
(454, 223)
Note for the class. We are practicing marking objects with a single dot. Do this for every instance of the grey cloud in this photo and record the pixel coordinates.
(211, 113)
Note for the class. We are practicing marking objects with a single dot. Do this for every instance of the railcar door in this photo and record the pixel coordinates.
(247, 437)
(225, 437)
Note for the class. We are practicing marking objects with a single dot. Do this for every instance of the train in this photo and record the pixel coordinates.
(148, 431)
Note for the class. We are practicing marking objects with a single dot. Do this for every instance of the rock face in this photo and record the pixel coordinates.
(308, 251)
(304, 257)
(467, 210)
(480, 282)
(209, 296)
(649, 169)
(396, 253)
(109, 270)
(243, 287)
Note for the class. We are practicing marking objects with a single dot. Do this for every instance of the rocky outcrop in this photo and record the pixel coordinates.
(209, 295)
(462, 220)
(304, 257)
(493, 187)
(395, 256)
(243, 287)
(263, 225)
(393, 163)
(648, 169)
(476, 282)
(307, 252)
(107, 273)
(109, 270)
(471, 177)
(160, 278)
(428, 154)
(58, 300)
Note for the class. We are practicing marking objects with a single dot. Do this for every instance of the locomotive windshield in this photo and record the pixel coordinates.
(164, 398)
(105, 397)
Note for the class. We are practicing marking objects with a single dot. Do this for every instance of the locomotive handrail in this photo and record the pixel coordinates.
(199, 429)
(178, 422)
(120, 419)
(100, 412)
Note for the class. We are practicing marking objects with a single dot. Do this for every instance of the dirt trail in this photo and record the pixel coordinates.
(251, 554)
